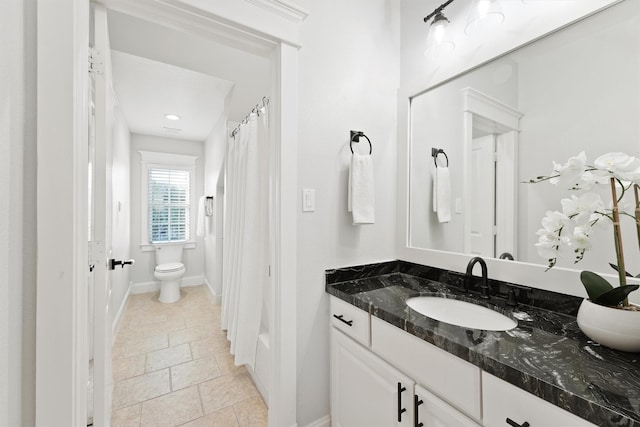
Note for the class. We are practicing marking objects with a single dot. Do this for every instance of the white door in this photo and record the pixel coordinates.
(483, 196)
(365, 390)
(101, 224)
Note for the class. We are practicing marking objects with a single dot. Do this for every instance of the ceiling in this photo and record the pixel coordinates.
(147, 90)
(158, 70)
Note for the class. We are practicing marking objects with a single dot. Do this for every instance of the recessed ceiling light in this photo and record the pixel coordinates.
(172, 117)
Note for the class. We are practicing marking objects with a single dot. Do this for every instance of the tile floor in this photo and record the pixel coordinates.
(172, 367)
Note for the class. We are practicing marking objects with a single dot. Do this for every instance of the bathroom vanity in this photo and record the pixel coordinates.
(391, 366)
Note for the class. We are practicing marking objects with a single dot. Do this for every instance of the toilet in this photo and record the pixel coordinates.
(169, 271)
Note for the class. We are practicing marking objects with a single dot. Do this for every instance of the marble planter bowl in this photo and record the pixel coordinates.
(610, 327)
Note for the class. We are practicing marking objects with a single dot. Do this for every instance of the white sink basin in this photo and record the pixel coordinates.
(461, 313)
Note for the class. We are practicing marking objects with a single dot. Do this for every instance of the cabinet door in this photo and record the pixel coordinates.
(365, 390)
(431, 411)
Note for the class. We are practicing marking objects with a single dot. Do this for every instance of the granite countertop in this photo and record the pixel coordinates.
(546, 354)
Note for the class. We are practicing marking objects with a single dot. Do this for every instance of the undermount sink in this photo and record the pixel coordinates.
(461, 313)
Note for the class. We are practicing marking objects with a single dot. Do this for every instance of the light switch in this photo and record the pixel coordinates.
(458, 205)
(308, 200)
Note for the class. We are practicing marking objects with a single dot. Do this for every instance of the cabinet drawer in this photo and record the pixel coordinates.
(350, 320)
(434, 412)
(449, 377)
(502, 400)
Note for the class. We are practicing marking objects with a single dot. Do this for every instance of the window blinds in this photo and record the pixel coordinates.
(169, 205)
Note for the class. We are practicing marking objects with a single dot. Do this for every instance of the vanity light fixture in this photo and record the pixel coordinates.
(172, 117)
(484, 15)
(437, 41)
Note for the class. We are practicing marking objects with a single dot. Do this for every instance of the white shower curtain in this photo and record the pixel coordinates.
(246, 236)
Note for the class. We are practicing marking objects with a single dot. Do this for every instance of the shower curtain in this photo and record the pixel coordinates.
(246, 235)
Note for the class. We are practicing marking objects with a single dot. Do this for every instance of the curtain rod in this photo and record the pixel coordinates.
(254, 110)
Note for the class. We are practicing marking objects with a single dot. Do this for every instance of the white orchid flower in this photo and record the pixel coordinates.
(571, 172)
(554, 221)
(620, 165)
(580, 208)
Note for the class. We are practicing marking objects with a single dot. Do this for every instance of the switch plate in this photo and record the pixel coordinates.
(308, 200)
(458, 205)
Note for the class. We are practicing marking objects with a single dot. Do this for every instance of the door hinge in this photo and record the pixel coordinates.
(96, 61)
(96, 253)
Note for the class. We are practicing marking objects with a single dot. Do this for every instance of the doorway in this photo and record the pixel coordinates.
(62, 29)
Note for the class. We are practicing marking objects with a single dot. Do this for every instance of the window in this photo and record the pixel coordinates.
(169, 205)
(167, 193)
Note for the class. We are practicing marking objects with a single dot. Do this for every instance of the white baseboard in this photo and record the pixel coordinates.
(145, 287)
(118, 316)
(322, 422)
(217, 299)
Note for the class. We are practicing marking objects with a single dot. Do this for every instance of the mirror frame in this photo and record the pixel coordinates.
(561, 280)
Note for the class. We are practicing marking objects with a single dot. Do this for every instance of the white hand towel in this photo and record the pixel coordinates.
(442, 190)
(200, 224)
(361, 189)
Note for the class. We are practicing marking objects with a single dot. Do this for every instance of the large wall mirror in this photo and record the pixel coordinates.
(506, 121)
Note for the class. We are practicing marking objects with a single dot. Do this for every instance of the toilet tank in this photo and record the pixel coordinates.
(168, 253)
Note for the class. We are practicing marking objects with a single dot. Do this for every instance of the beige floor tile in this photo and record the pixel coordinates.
(191, 325)
(222, 418)
(167, 357)
(225, 391)
(210, 346)
(137, 389)
(201, 317)
(128, 367)
(145, 345)
(252, 412)
(172, 409)
(126, 417)
(228, 366)
(194, 372)
(134, 331)
(191, 334)
(118, 351)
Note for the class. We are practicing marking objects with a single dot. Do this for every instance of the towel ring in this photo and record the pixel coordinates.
(435, 152)
(355, 137)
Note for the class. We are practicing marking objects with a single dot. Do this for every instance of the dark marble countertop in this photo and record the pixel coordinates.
(546, 354)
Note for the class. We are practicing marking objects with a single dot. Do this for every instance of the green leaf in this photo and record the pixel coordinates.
(616, 295)
(615, 267)
(594, 284)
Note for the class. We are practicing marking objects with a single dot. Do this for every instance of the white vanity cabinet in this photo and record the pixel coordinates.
(505, 405)
(382, 376)
(365, 390)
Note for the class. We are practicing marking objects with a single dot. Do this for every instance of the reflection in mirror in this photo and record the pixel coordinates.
(505, 122)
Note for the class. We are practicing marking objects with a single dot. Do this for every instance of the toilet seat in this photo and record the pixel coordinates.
(169, 267)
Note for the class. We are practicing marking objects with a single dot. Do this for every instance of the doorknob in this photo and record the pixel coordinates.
(114, 262)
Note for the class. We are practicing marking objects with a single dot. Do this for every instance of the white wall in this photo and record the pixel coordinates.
(215, 148)
(193, 259)
(12, 116)
(349, 75)
(17, 213)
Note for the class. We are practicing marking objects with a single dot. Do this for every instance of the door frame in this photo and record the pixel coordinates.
(62, 99)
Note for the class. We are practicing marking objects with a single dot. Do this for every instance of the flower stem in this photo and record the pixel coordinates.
(617, 237)
(635, 192)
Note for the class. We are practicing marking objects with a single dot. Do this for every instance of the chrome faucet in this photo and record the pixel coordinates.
(484, 286)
